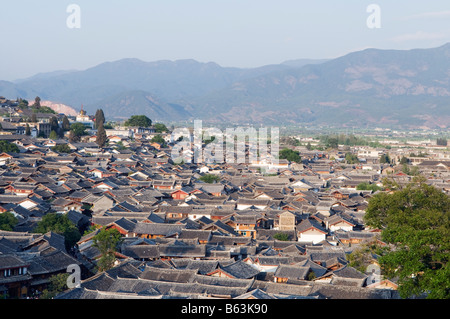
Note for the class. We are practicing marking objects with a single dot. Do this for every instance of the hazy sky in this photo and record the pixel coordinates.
(35, 36)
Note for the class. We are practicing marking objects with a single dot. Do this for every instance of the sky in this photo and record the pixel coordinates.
(48, 35)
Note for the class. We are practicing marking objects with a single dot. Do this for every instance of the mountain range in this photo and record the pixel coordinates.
(397, 88)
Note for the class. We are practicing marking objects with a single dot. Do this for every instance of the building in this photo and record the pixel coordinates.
(85, 119)
(287, 221)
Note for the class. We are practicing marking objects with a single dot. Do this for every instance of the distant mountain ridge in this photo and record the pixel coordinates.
(408, 88)
(370, 87)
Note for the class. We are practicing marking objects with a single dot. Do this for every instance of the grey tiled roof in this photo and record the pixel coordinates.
(158, 229)
(240, 270)
(308, 223)
(202, 267)
(141, 251)
(101, 282)
(11, 261)
(349, 272)
(292, 271)
(167, 288)
(186, 251)
(256, 294)
(345, 292)
(127, 269)
(223, 281)
(195, 234)
(51, 263)
(169, 275)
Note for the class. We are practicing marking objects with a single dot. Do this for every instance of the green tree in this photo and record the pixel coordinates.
(404, 160)
(107, 242)
(160, 128)
(8, 147)
(99, 118)
(351, 158)
(290, 155)
(159, 139)
(58, 284)
(361, 257)
(65, 124)
(281, 236)
(23, 104)
(53, 135)
(108, 126)
(61, 148)
(442, 141)
(78, 129)
(101, 136)
(28, 130)
(415, 220)
(368, 187)
(289, 140)
(410, 170)
(59, 224)
(43, 109)
(210, 178)
(8, 221)
(37, 102)
(332, 142)
(385, 159)
(54, 124)
(139, 120)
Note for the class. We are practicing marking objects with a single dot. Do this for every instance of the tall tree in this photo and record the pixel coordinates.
(65, 124)
(53, 135)
(385, 159)
(107, 241)
(37, 102)
(442, 141)
(415, 219)
(101, 135)
(99, 118)
(28, 130)
(54, 124)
